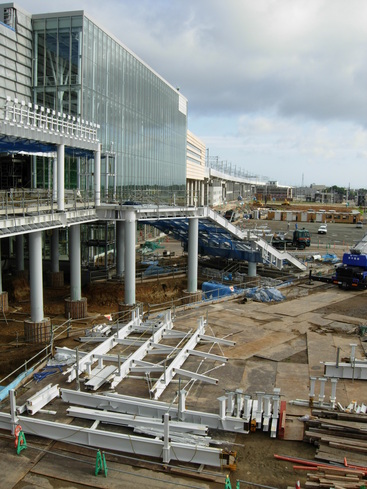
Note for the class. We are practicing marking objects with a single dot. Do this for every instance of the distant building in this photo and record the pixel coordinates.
(272, 191)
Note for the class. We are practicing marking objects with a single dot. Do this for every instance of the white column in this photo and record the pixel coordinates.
(193, 247)
(130, 239)
(251, 269)
(75, 263)
(35, 276)
(120, 248)
(54, 179)
(61, 177)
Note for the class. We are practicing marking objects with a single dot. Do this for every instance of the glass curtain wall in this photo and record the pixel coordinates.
(57, 44)
(80, 70)
(141, 124)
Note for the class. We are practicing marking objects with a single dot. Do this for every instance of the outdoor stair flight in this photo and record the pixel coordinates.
(269, 254)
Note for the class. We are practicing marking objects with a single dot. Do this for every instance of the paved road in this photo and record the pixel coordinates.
(338, 234)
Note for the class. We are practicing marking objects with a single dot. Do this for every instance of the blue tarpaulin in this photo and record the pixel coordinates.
(264, 295)
(214, 290)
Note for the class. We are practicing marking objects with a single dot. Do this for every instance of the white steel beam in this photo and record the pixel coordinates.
(152, 408)
(141, 352)
(105, 440)
(177, 362)
(114, 340)
(101, 375)
(346, 370)
(43, 397)
(208, 356)
(101, 349)
(134, 421)
(214, 339)
(194, 375)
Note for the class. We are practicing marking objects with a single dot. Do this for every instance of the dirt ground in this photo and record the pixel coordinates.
(256, 462)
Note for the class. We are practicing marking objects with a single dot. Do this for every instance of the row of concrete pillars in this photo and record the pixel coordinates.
(76, 305)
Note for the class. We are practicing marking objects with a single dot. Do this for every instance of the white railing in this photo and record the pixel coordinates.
(33, 116)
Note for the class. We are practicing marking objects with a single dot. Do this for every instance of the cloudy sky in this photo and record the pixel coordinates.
(275, 87)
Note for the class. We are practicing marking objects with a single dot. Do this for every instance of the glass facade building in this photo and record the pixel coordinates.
(80, 69)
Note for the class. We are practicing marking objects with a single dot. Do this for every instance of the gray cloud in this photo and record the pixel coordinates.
(269, 82)
(304, 58)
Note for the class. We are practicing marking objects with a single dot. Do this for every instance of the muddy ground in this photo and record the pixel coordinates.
(256, 462)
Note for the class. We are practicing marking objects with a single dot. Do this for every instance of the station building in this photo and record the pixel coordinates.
(88, 133)
(84, 122)
(65, 62)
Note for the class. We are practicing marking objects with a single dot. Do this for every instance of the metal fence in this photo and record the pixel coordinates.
(24, 202)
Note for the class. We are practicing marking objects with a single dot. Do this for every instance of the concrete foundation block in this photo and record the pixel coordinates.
(55, 279)
(39, 332)
(76, 309)
(192, 297)
(4, 304)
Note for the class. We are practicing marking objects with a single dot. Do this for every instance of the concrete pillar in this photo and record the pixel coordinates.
(75, 263)
(54, 179)
(97, 176)
(130, 266)
(193, 247)
(35, 276)
(78, 173)
(75, 305)
(120, 248)
(37, 329)
(19, 248)
(251, 269)
(61, 177)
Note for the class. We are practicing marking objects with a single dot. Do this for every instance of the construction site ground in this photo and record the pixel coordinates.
(277, 345)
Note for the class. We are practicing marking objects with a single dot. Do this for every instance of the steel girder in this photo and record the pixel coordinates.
(161, 449)
(135, 421)
(117, 338)
(154, 409)
(169, 372)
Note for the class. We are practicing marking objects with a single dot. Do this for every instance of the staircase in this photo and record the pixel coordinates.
(269, 254)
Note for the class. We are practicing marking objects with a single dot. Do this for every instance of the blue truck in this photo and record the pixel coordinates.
(350, 274)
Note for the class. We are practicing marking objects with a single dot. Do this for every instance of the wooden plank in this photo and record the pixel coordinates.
(335, 455)
(346, 447)
(347, 442)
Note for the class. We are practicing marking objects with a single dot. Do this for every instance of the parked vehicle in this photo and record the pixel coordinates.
(359, 225)
(299, 240)
(322, 229)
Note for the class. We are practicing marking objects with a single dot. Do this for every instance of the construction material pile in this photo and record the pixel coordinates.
(334, 477)
(341, 438)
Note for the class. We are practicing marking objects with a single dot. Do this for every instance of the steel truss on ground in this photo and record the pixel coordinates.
(175, 433)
